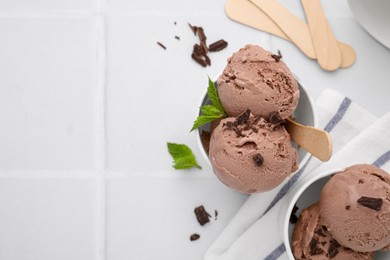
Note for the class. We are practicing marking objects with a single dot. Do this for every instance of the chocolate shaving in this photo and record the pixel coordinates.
(333, 248)
(372, 203)
(198, 50)
(193, 28)
(243, 118)
(347, 207)
(314, 250)
(216, 214)
(201, 215)
(177, 37)
(207, 59)
(162, 45)
(259, 159)
(194, 237)
(279, 53)
(276, 57)
(379, 177)
(199, 59)
(275, 119)
(218, 45)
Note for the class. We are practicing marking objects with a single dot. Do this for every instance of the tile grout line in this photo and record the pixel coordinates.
(102, 151)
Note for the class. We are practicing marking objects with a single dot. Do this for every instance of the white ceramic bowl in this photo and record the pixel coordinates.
(305, 114)
(374, 17)
(303, 196)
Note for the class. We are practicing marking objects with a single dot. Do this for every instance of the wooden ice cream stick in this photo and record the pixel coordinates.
(247, 13)
(314, 140)
(325, 45)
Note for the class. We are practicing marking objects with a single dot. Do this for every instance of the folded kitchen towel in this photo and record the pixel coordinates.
(358, 137)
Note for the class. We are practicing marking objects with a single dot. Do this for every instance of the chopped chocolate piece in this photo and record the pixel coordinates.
(295, 209)
(218, 45)
(347, 207)
(333, 248)
(319, 232)
(174, 22)
(201, 215)
(379, 177)
(162, 45)
(314, 250)
(275, 119)
(194, 237)
(372, 203)
(361, 181)
(258, 158)
(199, 59)
(324, 228)
(193, 28)
(177, 37)
(198, 50)
(201, 35)
(216, 214)
(238, 132)
(207, 59)
(243, 118)
(229, 125)
(276, 57)
(279, 53)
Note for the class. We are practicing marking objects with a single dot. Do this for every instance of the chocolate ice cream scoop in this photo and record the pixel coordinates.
(258, 80)
(251, 155)
(355, 207)
(312, 240)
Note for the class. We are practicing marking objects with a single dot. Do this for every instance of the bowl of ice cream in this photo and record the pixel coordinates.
(339, 214)
(250, 150)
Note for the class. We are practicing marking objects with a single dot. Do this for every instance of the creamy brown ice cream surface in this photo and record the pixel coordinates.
(254, 79)
(312, 240)
(355, 207)
(251, 155)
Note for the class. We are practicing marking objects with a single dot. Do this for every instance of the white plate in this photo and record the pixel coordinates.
(374, 17)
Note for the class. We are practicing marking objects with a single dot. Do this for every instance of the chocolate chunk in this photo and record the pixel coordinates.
(201, 215)
(361, 181)
(194, 237)
(162, 45)
(258, 158)
(333, 248)
(218, 45)
(243, 118)
(275, 119)
(198, 50)
(347, 207)
(372, 203)
(324, 228)
(314, 250)
(177, 37)
(199, 59)
(229, 125)
(205, 138)
(279, 53)
(238, 132)
(319, 232)
(207, 59)
(276, 57)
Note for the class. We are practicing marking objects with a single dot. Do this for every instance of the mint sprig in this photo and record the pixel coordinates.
(182, 156)
(210, 112)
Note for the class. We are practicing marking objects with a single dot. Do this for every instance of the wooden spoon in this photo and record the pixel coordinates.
(246, 12)
(316, 141)
(325, 44)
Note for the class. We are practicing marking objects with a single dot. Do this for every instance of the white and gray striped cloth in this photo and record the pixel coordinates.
(358, 137)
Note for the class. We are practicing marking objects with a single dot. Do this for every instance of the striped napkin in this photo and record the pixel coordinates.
(358, 137)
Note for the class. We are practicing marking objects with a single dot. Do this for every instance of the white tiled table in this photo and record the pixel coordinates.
(88, 101)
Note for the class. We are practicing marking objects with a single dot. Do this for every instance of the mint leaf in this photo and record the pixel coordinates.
(202, 120)
(209, 110)
(213, 96)
(182, 156)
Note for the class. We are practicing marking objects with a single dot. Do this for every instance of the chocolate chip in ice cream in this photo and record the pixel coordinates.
(243, 118)
(276, 57)
(275, 119)
(333, 249)
(372, 203)
(202, 215)
(258, 159)
(314, 250)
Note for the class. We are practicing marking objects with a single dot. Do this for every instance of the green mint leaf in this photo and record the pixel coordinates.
(182, 156)
(201, 120)
(213, 96)
(208, 110)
